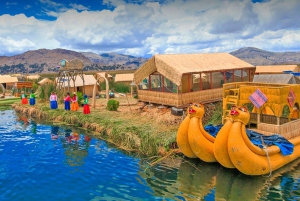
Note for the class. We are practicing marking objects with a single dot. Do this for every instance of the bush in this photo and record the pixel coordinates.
(79, 97)
(121, 88)
(112, 105)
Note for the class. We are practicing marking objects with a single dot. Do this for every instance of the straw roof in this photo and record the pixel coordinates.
(276, 68)
(104, 74)
(45, 81)
(88, 80)
(33, 77)
(277, 79)
(8, 79)
(17, 75)
(173, 66)
(124, 77)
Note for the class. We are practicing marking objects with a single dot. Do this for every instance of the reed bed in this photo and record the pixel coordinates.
(134, 131)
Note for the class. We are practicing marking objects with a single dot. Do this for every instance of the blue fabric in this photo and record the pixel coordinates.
(228, 75)
(67, 105)
(285, 146)
(32, 101)
(53, 104)
(213, 130)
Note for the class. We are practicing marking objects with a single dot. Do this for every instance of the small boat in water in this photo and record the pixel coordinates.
(192, 139)
(249, 158)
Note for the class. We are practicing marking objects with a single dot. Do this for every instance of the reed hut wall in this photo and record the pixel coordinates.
(177, 100)
(288, 130)
(277, 94)
(179, 69)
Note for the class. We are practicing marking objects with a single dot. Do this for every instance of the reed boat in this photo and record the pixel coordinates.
(249, 158)
(192, 139)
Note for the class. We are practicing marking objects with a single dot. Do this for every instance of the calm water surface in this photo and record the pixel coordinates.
(44, 162)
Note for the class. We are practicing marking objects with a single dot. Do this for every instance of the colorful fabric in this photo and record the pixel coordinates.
(291, 98)
(74, 106)
(258, 98)
(23, 96)
(68, 98)
(85, 101)
(74, 98)
(24, 101)
(86, 109)
(53, 97)
(32, 101)
(53, 105)
(67, 105)
(32, 95)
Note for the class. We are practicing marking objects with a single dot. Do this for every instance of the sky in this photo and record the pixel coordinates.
(144, 28)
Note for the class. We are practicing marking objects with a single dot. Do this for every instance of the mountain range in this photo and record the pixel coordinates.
(45, 61)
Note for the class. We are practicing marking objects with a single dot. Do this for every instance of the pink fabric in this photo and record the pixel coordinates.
(258, 98)
(291, 98)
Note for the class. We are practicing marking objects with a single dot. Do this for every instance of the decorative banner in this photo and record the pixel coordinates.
(258, 98)
(291, 98)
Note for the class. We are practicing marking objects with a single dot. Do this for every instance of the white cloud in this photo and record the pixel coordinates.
(8, 45)
(78, 7)
(178, 26)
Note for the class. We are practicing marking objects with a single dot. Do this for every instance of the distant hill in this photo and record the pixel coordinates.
(44, 61)
(259, 57)
(127, 61)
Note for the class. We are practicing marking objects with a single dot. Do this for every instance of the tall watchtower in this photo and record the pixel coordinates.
(69, 71)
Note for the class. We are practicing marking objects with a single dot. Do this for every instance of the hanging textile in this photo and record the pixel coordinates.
(258, 98)
(291, 98)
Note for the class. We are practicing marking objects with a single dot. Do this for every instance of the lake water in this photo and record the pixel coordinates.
(44, 162)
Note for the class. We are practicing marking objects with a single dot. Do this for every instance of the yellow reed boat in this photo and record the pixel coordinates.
(192, 139)
(249, 158)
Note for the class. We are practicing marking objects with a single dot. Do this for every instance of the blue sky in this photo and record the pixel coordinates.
(144, 28)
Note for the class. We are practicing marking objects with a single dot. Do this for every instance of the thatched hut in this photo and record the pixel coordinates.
(33, 77)
(7, 81)
(89, 82)
(178, 79)
(124, 78)
(276, 69)
(103, 74)
(45, 81)
(277, 79)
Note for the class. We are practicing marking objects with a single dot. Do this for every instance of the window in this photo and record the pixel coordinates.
(169, 86)
(229, 76)
(217, 79)
(238, 75)
(246, 75)
(156, 82)
(144, 85)
(206, 82)
(195, 80)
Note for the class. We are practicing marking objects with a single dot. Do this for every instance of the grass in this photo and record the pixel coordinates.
(9, 101)
(127, 130)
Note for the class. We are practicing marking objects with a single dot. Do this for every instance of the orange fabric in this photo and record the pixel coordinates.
(74, 106)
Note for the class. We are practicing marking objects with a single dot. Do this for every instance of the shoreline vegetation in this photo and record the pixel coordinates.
(131, 130)
(149, 132)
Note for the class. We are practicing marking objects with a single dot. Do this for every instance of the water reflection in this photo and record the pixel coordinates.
(115, 173)
(75, 146)
(191, 179)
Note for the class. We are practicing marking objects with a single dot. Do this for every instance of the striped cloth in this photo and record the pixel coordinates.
(291, 98)
(258, 98)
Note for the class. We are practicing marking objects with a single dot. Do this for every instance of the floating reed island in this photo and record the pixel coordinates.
(148, 132)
